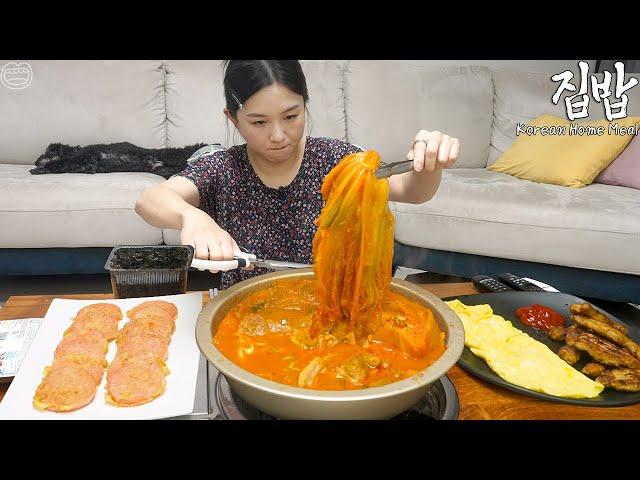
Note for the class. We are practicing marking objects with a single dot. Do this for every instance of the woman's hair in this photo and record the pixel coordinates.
(243, 78)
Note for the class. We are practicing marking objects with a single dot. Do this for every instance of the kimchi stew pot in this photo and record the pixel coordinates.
(289, 402)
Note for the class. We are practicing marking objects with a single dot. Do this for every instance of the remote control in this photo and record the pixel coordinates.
(489, 284)
(519, 283)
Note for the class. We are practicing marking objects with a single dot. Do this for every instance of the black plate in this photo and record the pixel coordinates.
(505, 304)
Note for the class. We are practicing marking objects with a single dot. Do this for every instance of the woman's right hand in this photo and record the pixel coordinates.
(209, 241)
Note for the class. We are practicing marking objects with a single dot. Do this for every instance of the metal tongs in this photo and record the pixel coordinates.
(243, 260)
(385, 170)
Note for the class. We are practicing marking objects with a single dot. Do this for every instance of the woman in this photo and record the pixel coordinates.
(265, 195)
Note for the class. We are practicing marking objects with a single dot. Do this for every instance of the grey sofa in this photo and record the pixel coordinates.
(584, 241)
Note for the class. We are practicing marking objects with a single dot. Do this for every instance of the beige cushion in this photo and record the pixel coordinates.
(195, 102)
(388, 102)
(486, 213)
(522, 96)
(72, 209)
(82, 102)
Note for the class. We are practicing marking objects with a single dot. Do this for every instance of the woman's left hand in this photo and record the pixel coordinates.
(433, 150)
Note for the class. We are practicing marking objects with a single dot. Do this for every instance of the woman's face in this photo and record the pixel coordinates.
(272, 122)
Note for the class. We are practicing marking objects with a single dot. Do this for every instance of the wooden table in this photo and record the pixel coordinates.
(479, 400)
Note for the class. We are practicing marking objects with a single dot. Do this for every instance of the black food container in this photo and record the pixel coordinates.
(149, 271)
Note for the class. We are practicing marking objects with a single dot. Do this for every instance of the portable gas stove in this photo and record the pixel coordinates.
(215, 400)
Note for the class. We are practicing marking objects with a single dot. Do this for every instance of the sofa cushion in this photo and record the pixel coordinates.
(522, 96)
(72, 209)
(83, 102)
(195, 102)
(625, 170)
(487, 213)
(564, 158)
(389, 101)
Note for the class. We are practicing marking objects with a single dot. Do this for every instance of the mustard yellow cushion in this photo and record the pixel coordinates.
(568, 159)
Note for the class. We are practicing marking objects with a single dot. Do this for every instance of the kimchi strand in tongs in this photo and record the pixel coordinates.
(353, 247)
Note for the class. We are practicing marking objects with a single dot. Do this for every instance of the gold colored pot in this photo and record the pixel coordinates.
(287, 402)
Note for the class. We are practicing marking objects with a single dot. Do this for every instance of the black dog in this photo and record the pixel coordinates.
(114, 157)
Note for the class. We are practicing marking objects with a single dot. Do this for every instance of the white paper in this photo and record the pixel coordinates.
(182, 361)
(16, 337)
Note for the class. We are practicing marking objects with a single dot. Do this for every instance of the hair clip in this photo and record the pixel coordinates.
(237, 100)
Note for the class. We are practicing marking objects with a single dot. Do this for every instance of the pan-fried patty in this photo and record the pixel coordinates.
(140, 360)
(159, 326)
(157, 307)
(623, 379)
(134, 384)
(141, 343)
(607, 331)
(90, 342)
(587, 310)
(65, 388)
(601, 350)
(91, 365)
(108, 327)
(105, 312)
